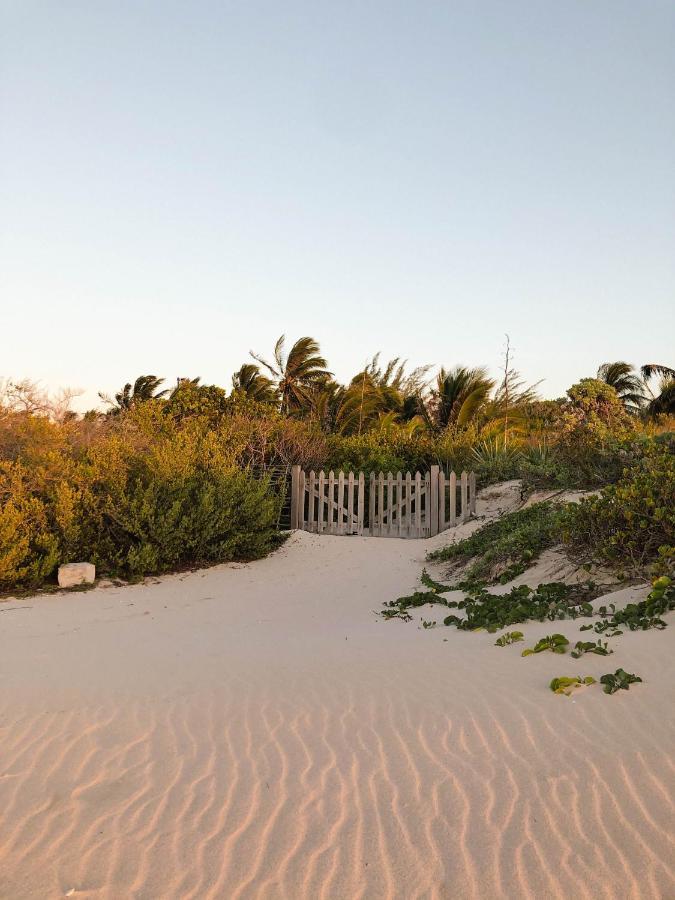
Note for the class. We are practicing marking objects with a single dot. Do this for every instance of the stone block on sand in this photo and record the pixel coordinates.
(72, 574)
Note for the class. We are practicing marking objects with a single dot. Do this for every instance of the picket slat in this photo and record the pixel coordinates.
(350, 503)
(399, 503)
(301, 502)
(321, 510)
(418, 504)
(465, 496)
(390, 501)
(362, 495)
(453, 499)
(310, 509)
(441, 500)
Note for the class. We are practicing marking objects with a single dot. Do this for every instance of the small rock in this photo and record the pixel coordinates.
(72, 574)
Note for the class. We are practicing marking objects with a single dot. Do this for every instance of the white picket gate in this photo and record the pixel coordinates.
(402, 505)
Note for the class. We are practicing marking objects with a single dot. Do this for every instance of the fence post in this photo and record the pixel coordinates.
(432, 500)
(295, 496)
(472, 493)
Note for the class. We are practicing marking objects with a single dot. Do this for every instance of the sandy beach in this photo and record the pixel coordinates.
(257, 731)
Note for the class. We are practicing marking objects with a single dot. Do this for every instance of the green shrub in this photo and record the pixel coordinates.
(29, 549)
(493, 462)
(633, 521)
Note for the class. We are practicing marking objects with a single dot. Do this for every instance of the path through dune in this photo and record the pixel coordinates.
(256, 731)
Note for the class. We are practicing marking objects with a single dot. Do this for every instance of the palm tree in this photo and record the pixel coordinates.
(143, 389)
(630, 388)
(297, 373)
(251, 383)
(460, 394)
(664, 401)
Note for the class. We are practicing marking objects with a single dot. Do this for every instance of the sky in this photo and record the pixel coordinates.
(182, 182)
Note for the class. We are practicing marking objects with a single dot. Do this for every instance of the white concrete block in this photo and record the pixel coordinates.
(72, 574)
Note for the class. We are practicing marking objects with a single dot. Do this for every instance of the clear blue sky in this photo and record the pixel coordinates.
(182, 182)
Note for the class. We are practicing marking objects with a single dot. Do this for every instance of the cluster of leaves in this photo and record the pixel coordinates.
(598, 648)
(566, 685)
(639, 616)
(556, 643)
(510, 637)
(483, 610)
(618, 681)
(503, 549)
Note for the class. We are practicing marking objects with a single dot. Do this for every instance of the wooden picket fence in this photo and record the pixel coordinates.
(400, 505)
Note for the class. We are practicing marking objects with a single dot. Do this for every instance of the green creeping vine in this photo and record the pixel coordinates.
(495, 611)
(639, 616)
(619, 681)
(556, 643)
(510, 637)
(564, 685)
(582, 647)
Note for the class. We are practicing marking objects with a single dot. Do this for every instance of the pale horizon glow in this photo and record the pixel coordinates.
(182, 183)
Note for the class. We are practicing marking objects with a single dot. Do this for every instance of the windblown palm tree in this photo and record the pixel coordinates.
(297, 373)
(143, 389)
(250, 382)
(629, 386)
(460, 394)
(664, 401)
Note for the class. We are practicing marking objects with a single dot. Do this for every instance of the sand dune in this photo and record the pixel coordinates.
(256, 731)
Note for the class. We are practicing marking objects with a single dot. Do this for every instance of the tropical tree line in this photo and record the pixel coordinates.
(297, 383)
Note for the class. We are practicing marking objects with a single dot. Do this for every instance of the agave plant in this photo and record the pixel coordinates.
(495, 461)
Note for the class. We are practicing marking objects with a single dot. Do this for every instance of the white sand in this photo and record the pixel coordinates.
(256, 731)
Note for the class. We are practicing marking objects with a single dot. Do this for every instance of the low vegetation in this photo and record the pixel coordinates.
(618, 681)
(567, 684)
(556, 643)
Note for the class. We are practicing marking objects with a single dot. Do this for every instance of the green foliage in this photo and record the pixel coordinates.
(494, 462)
(632, 520)
(495, 611)
(566, 686)
(392, 450)
(149, 493)
(510, 637)
(643, 615)
(582, 647)
(556, 643)
(505, 548)
(618, 681)
(593, 433)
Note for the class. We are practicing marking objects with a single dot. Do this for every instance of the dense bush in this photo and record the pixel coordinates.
(149, 494)
(632, 522)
